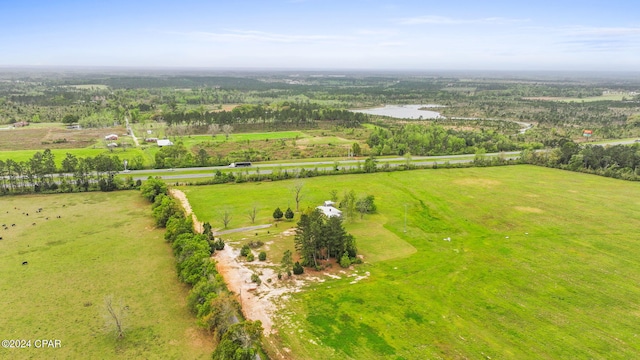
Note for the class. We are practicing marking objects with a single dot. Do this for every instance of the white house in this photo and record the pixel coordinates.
(164, 142)
(328, 210)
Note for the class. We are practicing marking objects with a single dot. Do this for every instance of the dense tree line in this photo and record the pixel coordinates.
(617, 161)
(209, 300)
(295, 113)
(423, 140)
(40, 174)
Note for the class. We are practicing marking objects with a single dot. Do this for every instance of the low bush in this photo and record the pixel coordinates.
(245, 250)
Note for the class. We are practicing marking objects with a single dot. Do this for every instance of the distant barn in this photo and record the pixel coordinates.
(164, 142)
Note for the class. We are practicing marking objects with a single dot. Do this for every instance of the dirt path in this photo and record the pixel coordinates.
(130, 129)
(180, 196)
(259, 302)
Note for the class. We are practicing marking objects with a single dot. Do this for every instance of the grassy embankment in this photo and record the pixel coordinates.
(102, 244)
(541, 263)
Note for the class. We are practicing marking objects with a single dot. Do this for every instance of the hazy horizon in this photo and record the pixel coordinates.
(314, 35)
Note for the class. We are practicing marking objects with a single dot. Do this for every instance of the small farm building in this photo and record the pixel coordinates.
(328, 210)
(164, 142)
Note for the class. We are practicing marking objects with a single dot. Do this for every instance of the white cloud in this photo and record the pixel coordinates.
(392, 44)
(377, 32)
(443, 20)
(603, 31)
(250, 35)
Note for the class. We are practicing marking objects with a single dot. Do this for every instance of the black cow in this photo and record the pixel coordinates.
(25, 263)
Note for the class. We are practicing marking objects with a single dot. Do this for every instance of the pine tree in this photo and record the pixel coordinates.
(288, 214)
(277, 214)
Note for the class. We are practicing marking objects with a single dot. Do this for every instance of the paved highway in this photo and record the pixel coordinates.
(187, 173)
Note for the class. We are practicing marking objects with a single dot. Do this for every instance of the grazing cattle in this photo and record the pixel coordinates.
(33, 224)
(58, 216)
(25, 263)
(0, 237)
(47, 218)
(13, 224)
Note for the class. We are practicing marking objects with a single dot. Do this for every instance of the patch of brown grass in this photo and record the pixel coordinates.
(51, 137)
(529, 209)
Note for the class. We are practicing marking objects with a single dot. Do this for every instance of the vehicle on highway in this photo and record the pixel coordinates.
(240, 164)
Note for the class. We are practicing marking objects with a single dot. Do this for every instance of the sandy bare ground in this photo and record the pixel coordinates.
(180, 196)
(259, 302)
(256, 300)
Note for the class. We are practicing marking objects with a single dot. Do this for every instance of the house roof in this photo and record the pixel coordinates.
(329, 211)
(164, 142)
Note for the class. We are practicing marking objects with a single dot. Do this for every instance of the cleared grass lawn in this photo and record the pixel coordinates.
(102, 244)
(541, 263)
(193, 140)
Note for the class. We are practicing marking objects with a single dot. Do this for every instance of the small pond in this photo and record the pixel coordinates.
(405, 111)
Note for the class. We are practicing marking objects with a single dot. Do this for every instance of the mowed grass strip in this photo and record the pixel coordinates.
(537, 263)
(192, 140)
(102, 244)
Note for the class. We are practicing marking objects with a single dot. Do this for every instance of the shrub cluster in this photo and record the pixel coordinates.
(208, 299)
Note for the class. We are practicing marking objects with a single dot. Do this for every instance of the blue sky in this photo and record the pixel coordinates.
(324, 34)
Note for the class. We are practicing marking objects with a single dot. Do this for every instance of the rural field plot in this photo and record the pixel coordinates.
(78, 250)
(515, 262)
(52, 136)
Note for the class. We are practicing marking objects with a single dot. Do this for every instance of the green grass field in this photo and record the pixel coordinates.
(541, 263)
(102, 244)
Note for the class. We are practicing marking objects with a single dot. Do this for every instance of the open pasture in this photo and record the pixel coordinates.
(40, 137)
(515, 262)
(101, 244)
(192, 140)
